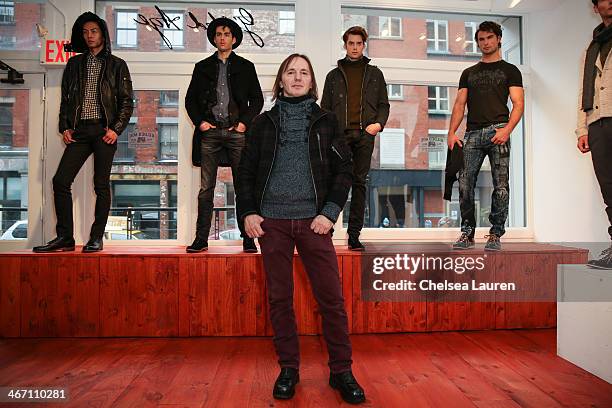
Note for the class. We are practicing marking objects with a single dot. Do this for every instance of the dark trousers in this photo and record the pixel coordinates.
(600, 142)
(321, 264)
(213, 141)
(362, 146)
(88, 140)
(476, 146)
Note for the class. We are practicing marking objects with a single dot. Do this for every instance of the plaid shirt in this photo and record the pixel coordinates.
(92, 108)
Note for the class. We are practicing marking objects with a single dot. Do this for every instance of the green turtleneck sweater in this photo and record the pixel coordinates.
(354, 70)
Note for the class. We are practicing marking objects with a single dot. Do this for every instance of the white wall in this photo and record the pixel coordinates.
(567, 201)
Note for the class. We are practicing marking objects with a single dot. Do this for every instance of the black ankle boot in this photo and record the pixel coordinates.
(354, 244)
(198, 245)
(349, 388)
(284, 387)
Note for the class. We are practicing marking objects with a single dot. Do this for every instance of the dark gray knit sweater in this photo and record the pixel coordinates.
(290, 193)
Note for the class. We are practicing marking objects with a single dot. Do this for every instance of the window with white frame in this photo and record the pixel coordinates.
(286, 22)
(437, 36)
(14, 169)
(6, 124)
(8, 41)
(395, 91)
(438, 99)
(173, 34)
(470, 45)
(147, 153)
(125, 153)
(392, 146)
(127, 29)
(168, 99)
(390, 27)
(436, 148)
(168, 141)
(7, 12)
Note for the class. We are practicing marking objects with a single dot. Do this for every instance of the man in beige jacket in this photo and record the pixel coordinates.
(594, 130)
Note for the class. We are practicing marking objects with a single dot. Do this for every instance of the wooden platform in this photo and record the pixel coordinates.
(165, 292)
(505, 369)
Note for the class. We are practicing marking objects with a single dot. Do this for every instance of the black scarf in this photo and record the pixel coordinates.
(601, 35)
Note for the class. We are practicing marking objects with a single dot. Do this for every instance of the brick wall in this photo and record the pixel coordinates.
(20, 110)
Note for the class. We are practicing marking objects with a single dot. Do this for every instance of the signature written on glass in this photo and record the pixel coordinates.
(164, 21)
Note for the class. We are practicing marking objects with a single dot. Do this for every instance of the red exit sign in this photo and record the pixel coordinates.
(52, 52)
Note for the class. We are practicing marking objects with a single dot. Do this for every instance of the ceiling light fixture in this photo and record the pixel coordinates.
(514, 3)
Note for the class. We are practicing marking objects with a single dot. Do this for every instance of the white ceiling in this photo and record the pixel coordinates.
(498, 6)
(526, 5)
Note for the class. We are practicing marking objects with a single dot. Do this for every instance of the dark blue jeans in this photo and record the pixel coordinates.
(476, 146)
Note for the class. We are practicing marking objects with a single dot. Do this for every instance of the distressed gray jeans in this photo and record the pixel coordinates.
(476, 146)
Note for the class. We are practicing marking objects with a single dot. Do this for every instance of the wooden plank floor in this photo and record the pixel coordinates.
(511, 368)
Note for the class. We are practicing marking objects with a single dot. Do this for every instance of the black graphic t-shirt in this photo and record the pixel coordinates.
(488, 89)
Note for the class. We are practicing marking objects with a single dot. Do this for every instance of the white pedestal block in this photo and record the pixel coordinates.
(584, 318)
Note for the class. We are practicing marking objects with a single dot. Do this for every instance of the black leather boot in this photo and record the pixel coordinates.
(349, 388)
(354, 244)
(198, 245)
(284, 387)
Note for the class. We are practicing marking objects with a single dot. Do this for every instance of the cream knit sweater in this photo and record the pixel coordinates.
(602, 102)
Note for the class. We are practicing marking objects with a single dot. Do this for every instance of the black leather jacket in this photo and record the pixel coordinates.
(246, 101)
(115, 86)
(330, 160)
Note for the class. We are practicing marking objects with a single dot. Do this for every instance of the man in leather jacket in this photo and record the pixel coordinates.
(357, 93)
(223, 97)
(95, 108)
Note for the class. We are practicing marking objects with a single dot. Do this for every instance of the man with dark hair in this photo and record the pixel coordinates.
(222, 99)
(485, 88)
(594, 129)
(95, 108)
(490, 27)
(357, 93)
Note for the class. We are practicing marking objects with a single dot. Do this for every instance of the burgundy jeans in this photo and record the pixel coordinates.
(321, 264)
